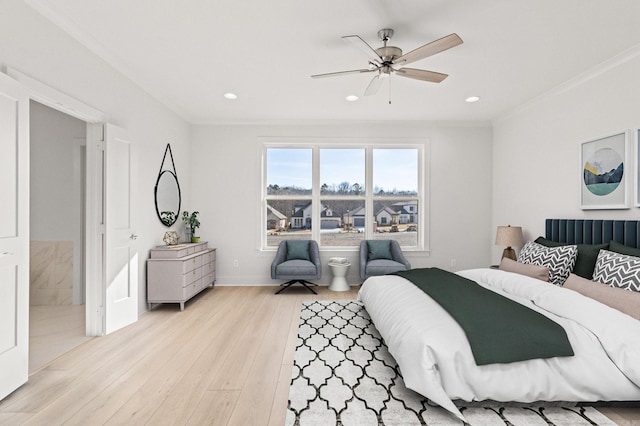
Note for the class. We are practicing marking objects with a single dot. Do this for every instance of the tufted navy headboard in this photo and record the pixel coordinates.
(583, 231)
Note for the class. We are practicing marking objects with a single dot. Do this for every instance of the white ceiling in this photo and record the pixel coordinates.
(188, 53)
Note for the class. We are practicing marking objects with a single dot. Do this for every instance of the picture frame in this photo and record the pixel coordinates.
(605, 170)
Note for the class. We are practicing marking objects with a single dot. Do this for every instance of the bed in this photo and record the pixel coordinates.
(437, 361)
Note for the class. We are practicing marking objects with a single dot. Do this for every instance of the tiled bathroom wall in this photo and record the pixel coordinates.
(51, 271)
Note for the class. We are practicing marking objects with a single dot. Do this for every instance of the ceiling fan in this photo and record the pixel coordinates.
(386, 60)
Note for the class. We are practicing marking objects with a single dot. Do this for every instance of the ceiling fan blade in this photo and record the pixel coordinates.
(334, 74)
(373, 86)
(364, 47)
(429, 49)
(424, 75)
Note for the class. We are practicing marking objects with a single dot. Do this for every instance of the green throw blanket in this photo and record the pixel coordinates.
(499, 330)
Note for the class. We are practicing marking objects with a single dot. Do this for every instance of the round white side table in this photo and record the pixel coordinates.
(339, 282)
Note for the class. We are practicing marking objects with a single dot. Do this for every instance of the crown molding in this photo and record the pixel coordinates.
(574, 82)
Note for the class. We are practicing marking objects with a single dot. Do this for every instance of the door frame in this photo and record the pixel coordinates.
(94, 209)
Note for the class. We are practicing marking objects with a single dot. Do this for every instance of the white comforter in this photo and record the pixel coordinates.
(436, 360)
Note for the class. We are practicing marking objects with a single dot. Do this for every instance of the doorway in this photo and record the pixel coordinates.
(57, 234)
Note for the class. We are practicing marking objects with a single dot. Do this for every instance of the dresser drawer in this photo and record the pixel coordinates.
(208, 268)
(199, 247)
(208, 279)
(191, 276)
(192, 289)
(191, 263)
(209, 256)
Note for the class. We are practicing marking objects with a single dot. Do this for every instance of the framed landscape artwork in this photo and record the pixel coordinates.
(604, 170)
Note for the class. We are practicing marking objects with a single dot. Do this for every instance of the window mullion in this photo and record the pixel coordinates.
(368, 204)
(315, 194)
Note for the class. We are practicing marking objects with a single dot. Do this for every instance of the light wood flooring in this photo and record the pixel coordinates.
(53, 331)
(225, 360)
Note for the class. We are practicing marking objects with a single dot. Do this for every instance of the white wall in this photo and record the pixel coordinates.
(32, 45)
(536, 151)
(225, 187)
(55, 138)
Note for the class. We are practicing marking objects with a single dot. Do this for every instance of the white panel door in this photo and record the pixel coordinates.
(14, 235)
(121, 254)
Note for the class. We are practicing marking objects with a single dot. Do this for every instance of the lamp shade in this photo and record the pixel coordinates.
(509, 236)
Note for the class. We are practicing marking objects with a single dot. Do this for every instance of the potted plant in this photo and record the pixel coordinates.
(191, 222)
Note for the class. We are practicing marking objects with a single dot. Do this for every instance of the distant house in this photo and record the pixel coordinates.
(407, 211)
(275, 219)
(403, 212)
(301, 218)
(329, 219)
(355, 217)
(387, 216)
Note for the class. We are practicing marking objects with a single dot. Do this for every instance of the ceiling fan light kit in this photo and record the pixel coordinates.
(386, 60)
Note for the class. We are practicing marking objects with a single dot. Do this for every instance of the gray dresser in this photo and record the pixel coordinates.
(177, 273)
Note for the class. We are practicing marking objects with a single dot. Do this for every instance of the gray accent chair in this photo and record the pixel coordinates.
(297, 270)
(371, 267)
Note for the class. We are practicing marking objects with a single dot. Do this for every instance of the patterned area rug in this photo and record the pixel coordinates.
(344, 375)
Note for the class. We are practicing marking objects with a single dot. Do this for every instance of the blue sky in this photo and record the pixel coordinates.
(393, 168)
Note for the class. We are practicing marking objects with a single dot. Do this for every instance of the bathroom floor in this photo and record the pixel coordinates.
(53, 331)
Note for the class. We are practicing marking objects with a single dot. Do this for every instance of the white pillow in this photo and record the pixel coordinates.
(559, 260)
(618, 270)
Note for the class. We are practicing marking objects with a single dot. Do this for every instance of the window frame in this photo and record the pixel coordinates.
(368, 144)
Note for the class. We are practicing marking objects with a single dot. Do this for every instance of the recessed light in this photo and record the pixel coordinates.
(352, 98)
(471, 99)
(231, 96)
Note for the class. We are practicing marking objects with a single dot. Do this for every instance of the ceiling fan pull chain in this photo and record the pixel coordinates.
(389, 91)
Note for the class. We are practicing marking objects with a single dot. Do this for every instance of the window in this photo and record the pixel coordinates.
(342, 191)
(340, 196)
(288, 194)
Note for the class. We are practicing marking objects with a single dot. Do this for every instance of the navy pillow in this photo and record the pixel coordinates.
(379, 250)
(298, 250)
(622, 249)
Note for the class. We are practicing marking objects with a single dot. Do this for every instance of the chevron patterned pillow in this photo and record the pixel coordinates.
(618, 270)
(559, 260)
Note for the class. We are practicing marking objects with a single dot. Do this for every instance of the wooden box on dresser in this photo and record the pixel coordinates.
(177, 273)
